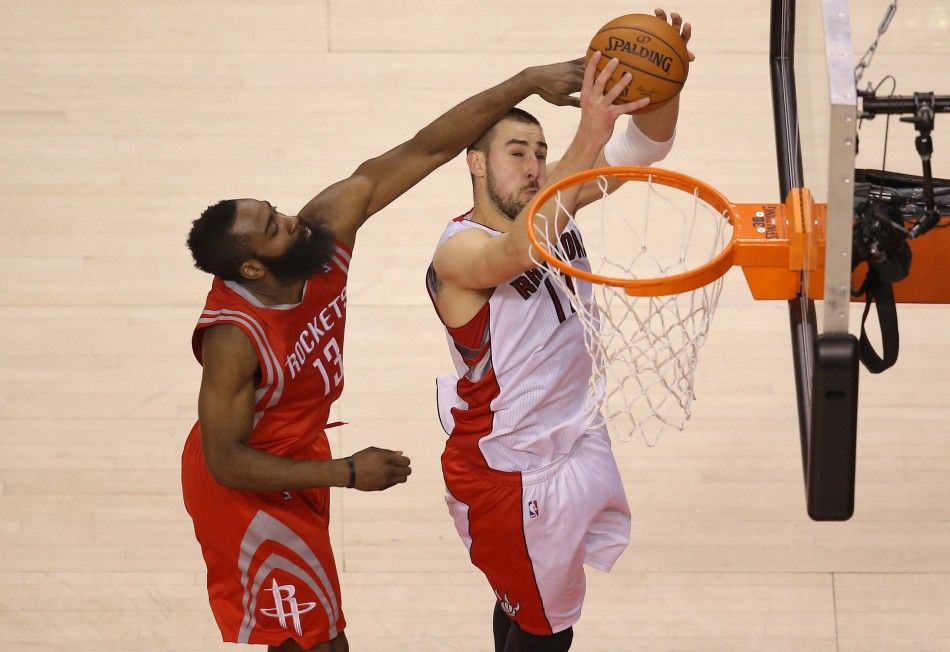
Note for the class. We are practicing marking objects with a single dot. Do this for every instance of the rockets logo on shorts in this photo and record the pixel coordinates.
(506, 606)
(286, 606)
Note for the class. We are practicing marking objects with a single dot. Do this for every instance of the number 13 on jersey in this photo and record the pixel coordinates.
(332, 361)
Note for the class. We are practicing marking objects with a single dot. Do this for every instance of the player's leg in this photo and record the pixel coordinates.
(608, 533)
(271, 570)
(486, 506)
(521, 641)
(577, 515)
(529, 547)
(501, 625)
(338, 644)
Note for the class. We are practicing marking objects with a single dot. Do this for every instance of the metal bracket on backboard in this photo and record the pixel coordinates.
(841, 153)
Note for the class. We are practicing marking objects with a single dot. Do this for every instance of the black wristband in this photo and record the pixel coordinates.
(352, 482)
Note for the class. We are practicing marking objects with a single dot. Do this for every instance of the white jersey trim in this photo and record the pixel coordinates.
(248, 296)
(273, 374)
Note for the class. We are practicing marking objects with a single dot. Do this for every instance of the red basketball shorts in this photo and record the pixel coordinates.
(271, 573)
(532, 533)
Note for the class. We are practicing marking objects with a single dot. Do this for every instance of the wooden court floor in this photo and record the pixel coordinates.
(120, 120)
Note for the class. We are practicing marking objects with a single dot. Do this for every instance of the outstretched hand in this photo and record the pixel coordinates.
(598, 111)
(378, 468)
(685, 30)
(558, 82)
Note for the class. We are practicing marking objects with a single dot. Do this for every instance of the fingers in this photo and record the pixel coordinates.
(398, 475)
(382, 470)
(685, 35)
(399, 469)
(684, 29)
(636, 105)
(574, 79)
(617, 89)
(604, 75)
(594, 89)
(591, 67)
(676, 21)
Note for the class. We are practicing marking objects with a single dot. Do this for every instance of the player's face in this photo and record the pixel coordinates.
(515, 167)
(290, 250)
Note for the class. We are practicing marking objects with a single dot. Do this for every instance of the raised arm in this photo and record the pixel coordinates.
(648, 136)
(347, 204)
(226, 413)
(659, 124)
(474, 260)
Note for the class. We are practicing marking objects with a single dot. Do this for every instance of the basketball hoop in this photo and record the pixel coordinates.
(657, 256)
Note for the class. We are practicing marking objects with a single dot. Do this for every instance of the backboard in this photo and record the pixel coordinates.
(814, 105)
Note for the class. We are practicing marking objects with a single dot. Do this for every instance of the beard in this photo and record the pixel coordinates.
(305, 257)
(510, 207)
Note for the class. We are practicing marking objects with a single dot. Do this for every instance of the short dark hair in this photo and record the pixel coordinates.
(214, 248)
(516, 114)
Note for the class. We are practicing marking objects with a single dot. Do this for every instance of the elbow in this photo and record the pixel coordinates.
(222, 468)
(528, 257)
(522, 253)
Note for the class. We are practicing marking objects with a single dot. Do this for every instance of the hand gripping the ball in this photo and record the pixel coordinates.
(599, 104)
(650, 49)
(685, 30)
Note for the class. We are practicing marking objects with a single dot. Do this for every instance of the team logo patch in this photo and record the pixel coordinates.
(533, 509)
(506, 606)
(286, 606)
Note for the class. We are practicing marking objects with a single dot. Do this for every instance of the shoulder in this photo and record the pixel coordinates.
(229, 361)
(458, 256)
(340, 208)
(457, 240)
(223, 343)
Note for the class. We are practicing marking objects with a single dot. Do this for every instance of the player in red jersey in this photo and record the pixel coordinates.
(257, 467)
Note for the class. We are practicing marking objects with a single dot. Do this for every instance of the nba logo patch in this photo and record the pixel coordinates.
(533, 509)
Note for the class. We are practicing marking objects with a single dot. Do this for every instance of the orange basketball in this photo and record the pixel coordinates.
(650, 50)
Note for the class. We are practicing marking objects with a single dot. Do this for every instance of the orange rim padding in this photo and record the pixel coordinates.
(773, 243)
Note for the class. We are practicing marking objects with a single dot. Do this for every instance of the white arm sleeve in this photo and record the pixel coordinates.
(633, 147)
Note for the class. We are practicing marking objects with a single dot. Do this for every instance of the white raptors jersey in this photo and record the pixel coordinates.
(521, 368)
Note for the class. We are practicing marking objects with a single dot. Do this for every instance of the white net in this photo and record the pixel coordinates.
(644, 349)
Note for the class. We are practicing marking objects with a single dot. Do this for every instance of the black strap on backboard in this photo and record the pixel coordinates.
(878, 289)
(881, 294)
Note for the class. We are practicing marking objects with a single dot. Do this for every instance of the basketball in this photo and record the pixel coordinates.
(648, 48)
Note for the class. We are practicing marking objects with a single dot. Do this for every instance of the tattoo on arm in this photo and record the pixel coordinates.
(433, 280)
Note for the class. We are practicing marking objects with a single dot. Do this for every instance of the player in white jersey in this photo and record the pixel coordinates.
(534, 491)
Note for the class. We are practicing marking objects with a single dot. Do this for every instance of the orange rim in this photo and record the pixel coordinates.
(662, 286)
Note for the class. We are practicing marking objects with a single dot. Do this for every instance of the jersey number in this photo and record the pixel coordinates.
(332, 354)
(558, 307)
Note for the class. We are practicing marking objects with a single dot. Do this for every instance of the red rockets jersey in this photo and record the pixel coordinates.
(300, 351)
